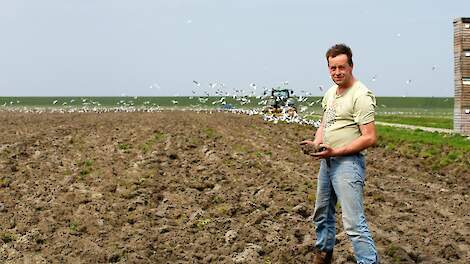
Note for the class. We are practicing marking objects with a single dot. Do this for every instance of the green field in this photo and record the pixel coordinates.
(128, 101)
(425, 121)
(421, 111)
(86, 101)
(384, 104)
(416, 102)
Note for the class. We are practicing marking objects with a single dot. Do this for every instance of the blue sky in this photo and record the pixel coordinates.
(158, 47)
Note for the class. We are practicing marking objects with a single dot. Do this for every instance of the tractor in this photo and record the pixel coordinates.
(280, 103)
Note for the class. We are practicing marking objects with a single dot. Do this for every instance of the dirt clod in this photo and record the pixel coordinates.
(310, 149)
(450, 252)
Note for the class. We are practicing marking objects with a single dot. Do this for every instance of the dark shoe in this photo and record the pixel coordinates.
(322, 257)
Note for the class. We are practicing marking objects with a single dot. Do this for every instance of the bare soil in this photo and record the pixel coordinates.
(186, 187)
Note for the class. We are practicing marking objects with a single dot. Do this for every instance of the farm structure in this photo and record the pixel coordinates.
(462, 75)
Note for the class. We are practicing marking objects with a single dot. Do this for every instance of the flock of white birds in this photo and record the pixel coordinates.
(247, 102)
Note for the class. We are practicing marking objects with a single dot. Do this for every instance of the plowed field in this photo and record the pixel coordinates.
(187, 187)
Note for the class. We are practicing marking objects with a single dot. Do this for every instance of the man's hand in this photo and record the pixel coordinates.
(367, 139)
(327, 152)
(308, 142)
(311, 147)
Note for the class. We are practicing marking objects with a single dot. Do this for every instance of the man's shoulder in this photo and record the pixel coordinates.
(361, 89)
(328, 96)
(331, 90)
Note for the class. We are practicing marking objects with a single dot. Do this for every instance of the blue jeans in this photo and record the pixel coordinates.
(342, 179)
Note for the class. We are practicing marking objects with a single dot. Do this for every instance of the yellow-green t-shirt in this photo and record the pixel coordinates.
(344, 113)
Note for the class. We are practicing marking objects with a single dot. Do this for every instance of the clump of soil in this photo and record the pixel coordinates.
(187, 187)
(310, 149)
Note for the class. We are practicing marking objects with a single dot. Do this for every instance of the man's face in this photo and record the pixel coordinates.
(340, 70)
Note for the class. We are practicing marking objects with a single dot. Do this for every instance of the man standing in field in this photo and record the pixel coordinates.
(346, 130)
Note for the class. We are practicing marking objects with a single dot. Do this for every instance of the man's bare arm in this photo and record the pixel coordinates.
(319, 134)
(367, 139)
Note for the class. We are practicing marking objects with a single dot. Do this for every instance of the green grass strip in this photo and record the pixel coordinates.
(437, 122)
(397, 135)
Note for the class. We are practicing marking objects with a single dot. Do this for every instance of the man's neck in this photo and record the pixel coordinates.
(343, 88)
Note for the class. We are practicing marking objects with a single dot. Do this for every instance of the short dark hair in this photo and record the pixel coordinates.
(339, 49)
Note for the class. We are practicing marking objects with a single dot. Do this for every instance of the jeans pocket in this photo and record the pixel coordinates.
(359, 168)
(360, 160)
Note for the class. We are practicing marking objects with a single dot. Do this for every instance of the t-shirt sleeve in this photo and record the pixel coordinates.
(364, 108)
(324, 102)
